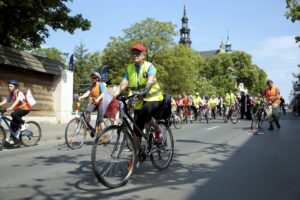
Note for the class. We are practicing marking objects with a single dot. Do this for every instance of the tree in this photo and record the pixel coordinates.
(226, 71)
(24, 24)
(178, 69)
(82, 69)
(293, 12)
(52, 53)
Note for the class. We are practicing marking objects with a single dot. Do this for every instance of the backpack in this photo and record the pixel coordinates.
(164, 110)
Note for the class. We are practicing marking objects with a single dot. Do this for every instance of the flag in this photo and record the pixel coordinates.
(30, 98)
(107, 98)
(71, 63)
(104, 73)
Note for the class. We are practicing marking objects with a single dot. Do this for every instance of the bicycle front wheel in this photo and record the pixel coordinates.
(75, 133)
(112, 159)
(261, 120)
(162, 153)
(234, 117)
(177, 122)
(32, 135)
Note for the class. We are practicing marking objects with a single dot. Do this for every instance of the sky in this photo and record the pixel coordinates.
(256, 27)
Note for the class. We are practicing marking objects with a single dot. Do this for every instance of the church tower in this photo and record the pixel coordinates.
(228, 45)
(185, 31)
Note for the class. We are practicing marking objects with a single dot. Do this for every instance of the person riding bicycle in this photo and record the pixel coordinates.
(212, 103)
(96, 92)
(229, 101)
(196, 103)
(141, 79)
(272, 95)
(19, 105)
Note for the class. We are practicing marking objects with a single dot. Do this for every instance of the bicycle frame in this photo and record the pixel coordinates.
(126, 118)
(7, 121)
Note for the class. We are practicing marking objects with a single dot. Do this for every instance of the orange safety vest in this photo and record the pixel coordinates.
(22, 104)
(95, 93)
(272, 95)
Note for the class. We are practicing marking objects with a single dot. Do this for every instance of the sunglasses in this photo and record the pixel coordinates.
(93, 77)
(137, 54)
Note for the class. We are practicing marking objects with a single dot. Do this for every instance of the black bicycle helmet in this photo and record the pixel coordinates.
(13, 82)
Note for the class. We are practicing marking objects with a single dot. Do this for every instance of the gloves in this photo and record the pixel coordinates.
(140, 95)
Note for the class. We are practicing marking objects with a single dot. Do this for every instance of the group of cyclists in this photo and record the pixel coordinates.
(189, 106)
(140, 77)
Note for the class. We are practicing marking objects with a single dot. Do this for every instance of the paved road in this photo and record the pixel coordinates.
(211, 161)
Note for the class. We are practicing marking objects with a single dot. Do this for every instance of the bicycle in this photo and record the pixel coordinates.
(233, 114)
(203, 113)
(258, 116)
(77, 128)
(176, 120)
(114, 160)
(29, 137)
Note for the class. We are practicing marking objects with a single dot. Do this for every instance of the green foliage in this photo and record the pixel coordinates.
(226, 71)
(85, 63)
(24, 24)
(52, 53)
(293, 12)
(178, 69)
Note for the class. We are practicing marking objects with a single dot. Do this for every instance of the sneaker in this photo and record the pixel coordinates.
(24, 127)
(9, 141)
(158, 137)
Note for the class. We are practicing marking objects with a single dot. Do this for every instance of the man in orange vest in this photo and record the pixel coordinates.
(272, 95)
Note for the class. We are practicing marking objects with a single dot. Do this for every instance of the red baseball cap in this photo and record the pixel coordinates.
(139, 47)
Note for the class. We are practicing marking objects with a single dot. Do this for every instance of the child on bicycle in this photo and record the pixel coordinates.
(96, 92)
(19, 106)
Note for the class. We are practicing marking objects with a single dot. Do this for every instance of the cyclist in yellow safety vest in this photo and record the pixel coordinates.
(228, 102)
(212, 103)
(140, 78)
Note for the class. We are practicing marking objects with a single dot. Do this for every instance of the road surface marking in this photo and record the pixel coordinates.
(212, 128)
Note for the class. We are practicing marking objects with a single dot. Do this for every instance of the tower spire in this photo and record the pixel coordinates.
(185, 31)
(228, 44)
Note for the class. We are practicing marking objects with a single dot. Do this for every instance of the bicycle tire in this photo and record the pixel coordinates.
(112, 163)
(2, 137)
(252, 123)
(234, 118)
(178, 122)
(71, 133)
(32, 135)
(261, 120)
(157, 149)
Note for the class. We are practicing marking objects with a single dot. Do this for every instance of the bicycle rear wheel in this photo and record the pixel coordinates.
(161, 154)
(112, 161)
(32, 135)
(177, 122)
(2, 137)
(75, 133)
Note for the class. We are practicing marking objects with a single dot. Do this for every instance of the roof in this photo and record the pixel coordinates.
(209, 54)
(21, 59)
